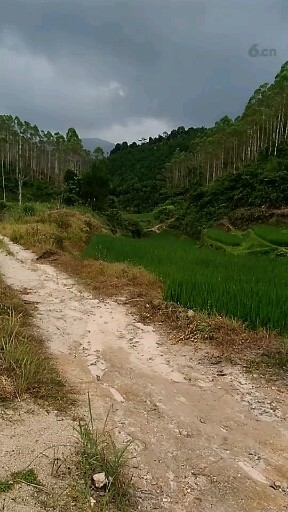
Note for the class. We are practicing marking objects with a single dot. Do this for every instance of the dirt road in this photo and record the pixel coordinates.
(205, 438)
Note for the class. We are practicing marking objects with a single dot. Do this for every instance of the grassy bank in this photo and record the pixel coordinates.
(26, 368)
(44, 227)
(62, 234)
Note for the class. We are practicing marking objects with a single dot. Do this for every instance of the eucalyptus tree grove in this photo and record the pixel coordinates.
(28, 153)
(229, 145)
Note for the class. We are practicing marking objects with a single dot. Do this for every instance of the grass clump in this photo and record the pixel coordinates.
(251, 288)
(29, 209)
(26, 368)
(99, 454)
(26, 476)
(6, 486)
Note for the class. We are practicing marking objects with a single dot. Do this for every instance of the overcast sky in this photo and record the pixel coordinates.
(124, 69)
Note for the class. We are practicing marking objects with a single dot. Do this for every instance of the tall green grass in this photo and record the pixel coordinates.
(251, 288)
(272, 235)
(222, 237)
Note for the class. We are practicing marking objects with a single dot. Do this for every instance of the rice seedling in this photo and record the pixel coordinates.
(223, 237)
(273, 235)
(252, 288)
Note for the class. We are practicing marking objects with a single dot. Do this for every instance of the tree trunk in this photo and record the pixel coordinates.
(3, 181)
(20, 183)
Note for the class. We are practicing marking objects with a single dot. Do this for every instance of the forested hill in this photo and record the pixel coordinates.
(150, 173)
(137, 170)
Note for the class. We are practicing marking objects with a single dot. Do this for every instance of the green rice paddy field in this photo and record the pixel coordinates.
(250, 287)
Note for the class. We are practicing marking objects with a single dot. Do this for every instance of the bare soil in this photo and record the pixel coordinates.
(206, 436)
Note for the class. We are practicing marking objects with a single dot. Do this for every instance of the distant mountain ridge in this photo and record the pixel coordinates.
(92, 143)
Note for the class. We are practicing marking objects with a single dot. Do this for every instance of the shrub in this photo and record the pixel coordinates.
(119, 223)
(29, 210)
(3, 206)
(164, 213)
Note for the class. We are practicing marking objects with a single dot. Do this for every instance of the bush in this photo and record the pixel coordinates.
(3, 206)
(119, 223)
(164, 213)
(29, 210)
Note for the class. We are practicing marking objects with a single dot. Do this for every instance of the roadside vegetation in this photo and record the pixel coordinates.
(27, 476)
(26, 368)
(103, 479)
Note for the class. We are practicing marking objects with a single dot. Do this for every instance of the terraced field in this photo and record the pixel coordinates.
(258, 239)
(252, 287)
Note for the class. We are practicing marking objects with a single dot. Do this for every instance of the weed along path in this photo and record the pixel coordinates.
(204, 438)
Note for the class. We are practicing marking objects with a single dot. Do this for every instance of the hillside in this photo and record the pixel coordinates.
(137, 171)
(176, 166)
(92, 143)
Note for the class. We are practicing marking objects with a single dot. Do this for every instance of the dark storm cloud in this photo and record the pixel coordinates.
(119, 68)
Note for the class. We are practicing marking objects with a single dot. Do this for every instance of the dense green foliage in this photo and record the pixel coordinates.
(137, 171)
(126, 225)
(263, 185)
(231, 144)
(32, 190)
(201, 174)
(253, 289)
(91, 187)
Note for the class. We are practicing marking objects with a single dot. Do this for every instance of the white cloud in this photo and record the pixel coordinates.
(134, 130)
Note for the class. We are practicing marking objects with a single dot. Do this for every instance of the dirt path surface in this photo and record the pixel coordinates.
(205, 438)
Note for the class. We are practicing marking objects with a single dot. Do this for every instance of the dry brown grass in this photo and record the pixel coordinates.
(26, 368)
(112, 279)
(61, 229)
(221, 336)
